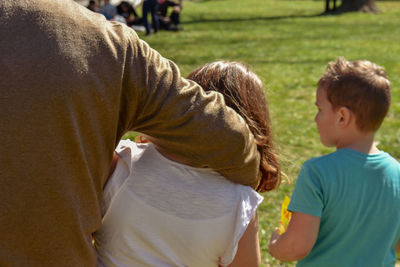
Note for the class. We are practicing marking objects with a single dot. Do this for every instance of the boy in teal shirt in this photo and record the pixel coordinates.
(346, 205)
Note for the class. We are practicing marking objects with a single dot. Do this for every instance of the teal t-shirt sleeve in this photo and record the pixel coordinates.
(307, 195)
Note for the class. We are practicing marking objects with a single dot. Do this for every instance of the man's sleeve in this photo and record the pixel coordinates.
(189, 122)
(307, 196)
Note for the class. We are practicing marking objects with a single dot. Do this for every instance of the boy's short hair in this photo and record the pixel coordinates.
(362, 87)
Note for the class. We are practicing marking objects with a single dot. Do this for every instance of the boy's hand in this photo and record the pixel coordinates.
(275, 235)
(298, 240)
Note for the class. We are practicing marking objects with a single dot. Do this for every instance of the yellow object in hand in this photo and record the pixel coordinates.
(285, 215)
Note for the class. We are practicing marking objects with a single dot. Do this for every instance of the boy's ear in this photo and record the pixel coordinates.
(345, 116)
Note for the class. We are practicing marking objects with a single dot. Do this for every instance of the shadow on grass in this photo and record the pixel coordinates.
(207, 20)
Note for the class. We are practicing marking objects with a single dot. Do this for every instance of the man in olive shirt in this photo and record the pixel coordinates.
(71, 85)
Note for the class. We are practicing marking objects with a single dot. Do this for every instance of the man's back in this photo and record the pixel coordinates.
(51, 180)
(71, 85)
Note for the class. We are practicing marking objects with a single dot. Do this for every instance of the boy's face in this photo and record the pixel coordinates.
(326, 119)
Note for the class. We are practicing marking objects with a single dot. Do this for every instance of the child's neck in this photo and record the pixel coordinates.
(362, 142)
(147, 139)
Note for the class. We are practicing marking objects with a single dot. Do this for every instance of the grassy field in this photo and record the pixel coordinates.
(288, 44)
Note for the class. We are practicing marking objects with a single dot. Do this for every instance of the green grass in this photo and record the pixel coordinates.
(288, 45)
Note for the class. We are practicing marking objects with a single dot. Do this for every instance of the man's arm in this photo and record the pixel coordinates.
(186, 121)
(297, 242)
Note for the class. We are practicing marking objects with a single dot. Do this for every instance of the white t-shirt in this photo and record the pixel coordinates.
(157, 212)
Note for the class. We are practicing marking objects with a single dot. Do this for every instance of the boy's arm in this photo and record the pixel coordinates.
(397, 247)
(298, 240)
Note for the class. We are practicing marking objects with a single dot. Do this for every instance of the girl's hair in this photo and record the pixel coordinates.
(243, 92)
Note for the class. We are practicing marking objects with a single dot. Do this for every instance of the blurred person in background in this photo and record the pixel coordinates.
(108, 10)
(171, 22)
(127, 11)
(93, 6)
(152, 7)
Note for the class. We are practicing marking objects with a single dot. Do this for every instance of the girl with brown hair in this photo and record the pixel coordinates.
(159, 211)
(243, 92)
